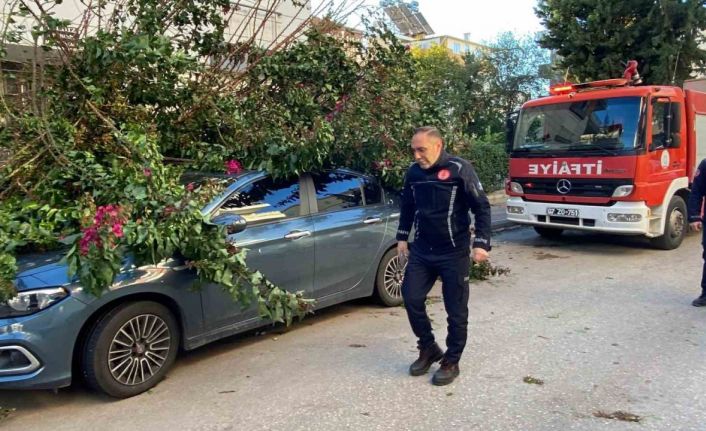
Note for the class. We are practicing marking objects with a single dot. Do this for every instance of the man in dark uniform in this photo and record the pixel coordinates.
(439, 190)
(696, 199)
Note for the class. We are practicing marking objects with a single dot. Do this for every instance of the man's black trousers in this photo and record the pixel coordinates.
(703, 255)
(420, 275)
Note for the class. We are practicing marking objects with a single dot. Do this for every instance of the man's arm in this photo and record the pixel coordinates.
(407, 211)
(696, 197)
(478, 202)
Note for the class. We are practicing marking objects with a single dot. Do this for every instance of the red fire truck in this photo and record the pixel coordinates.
(607, 156)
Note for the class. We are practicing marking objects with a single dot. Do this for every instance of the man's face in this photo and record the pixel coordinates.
(426, 149)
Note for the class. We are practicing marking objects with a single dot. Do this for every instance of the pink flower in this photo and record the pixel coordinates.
(147, 172)
(233, 167)
(388, 163)
(107, 217)
(118, 230)
(190, 187)
(90, 236)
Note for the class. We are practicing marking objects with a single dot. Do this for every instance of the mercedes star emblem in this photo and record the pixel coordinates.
(563, 186)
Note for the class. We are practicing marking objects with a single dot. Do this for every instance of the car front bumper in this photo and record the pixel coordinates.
(46, 339)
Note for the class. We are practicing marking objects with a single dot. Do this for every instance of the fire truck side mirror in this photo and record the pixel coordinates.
(674, 125)
(676, 140)
(510, 125)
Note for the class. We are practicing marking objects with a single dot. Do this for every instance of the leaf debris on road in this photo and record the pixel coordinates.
(533, 381)
(618, 415)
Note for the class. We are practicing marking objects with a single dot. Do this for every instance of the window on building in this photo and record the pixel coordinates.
(456, 48)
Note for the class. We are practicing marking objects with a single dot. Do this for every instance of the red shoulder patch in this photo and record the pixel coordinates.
(444, 174)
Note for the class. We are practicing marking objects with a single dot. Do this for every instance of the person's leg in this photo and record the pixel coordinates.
(418, 280)
(701, 300)
(703, 274)
(455, 276)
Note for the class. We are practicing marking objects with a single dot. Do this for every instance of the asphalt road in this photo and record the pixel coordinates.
(604, 323)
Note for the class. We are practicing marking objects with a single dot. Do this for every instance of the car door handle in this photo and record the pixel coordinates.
(372, 220)
(297, 234)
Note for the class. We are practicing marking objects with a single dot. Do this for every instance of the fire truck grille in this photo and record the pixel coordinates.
(576, 187)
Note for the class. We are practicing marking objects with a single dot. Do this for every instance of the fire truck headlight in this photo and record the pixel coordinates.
(624, 218)
(622, 191)
(516, 188)
(515, 210)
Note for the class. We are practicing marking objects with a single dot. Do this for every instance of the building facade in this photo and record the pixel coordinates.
(455, 45)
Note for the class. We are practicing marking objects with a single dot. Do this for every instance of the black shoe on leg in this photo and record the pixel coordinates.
(700, 301)
(427, 357)
(446, 374)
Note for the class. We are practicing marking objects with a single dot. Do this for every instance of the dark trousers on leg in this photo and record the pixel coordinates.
(422, 271)
(703, 272)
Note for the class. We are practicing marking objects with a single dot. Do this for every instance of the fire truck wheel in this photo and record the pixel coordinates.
(674, 227)
(548, 232)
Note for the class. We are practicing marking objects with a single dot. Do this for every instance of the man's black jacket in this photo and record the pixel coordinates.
(436, 201)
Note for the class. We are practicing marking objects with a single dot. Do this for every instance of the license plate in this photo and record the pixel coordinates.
(562, 212)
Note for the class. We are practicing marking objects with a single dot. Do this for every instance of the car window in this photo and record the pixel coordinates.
(265, 200)
(336, 191)
(373, 193)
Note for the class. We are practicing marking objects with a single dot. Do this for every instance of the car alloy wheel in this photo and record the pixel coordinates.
(139, 349)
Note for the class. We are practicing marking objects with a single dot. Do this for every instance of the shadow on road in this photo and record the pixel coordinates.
(78, 392)
(578, 241)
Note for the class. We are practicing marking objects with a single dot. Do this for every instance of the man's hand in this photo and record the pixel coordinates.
(697, 225)
(403, 248)
(480, 255)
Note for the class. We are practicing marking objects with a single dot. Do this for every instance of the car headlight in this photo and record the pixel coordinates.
(32, 301)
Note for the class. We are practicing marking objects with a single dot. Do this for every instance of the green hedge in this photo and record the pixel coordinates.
(490, 161)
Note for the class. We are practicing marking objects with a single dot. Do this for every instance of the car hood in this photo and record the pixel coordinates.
(40, 270)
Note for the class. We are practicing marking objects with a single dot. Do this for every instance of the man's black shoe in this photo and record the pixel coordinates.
(445, 374)
(700, 301)
(426, 357)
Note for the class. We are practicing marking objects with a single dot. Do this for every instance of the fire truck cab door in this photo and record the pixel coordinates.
(666, 151)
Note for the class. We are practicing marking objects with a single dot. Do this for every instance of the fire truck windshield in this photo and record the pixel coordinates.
(605, 126)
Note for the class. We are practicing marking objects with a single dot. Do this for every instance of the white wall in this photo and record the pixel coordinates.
(280, 25)
(286, 20)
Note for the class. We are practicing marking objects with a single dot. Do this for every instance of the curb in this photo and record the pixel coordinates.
(503, 225)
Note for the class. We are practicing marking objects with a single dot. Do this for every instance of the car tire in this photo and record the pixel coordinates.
(548, 232)
(388, 280)
(130, 349)
(675, 226)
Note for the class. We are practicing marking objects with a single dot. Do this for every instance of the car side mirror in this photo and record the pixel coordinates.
(234, 223)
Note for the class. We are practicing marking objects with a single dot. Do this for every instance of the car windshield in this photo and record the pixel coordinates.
(607, 126)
